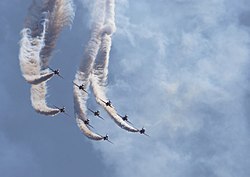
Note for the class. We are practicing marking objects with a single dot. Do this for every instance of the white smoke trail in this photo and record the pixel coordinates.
(99, 93)
(109, 26)
(80, 99)
(83, 74)
(101, 64)
(29, 56)
(62, 15)
(38, 95)
(86, 131)
(57, 14)
(38, 79)
(100, 72)
(37, 44)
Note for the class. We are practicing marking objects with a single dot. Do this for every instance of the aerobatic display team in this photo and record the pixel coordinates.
(42, 28)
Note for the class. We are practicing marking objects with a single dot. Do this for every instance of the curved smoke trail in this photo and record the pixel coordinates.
(62, 15)
(99, 92)
(100, 72)
(29, 55)
(53, 15)
(102, 62)
(80, 99)
(83, 74)
(86, 131)
(57, 14)
(38, 93)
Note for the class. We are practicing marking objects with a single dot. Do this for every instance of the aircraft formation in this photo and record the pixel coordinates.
(41, 30)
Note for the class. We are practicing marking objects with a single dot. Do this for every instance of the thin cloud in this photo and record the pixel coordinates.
(189, 93)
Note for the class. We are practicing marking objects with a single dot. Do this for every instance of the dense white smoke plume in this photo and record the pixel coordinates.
(100, 70)
(38, 95)
(42, 28)
(94, 67)
(86, 66)
(99, 93)
(86, 131)
(80, 99)
(29, 55)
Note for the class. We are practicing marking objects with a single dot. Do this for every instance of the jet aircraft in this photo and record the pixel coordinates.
(62, 110)
(96, 113)
(81, 87)
(142, 131)
(56, 72)
(106, 138)
(108, 103)
(125, 118)
(87, 123)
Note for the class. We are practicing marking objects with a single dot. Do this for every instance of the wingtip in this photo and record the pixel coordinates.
(61, 76)
(110, 141)
(90, 110)
(130, 122)
(91, 126)
(101, 117)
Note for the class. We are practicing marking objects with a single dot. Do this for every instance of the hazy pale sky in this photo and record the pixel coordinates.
(178, 67)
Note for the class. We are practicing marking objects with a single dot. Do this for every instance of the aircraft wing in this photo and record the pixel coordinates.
(60, 76)
(85, 91)
(110, 141)
(101, 117)
(51, 69)
(91, 110)
(120, 115)
(90, 126)
(129, 122)
(75, 84)
(103, 100)
(56, 107)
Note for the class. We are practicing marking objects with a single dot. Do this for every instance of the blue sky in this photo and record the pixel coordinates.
(180, 68)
